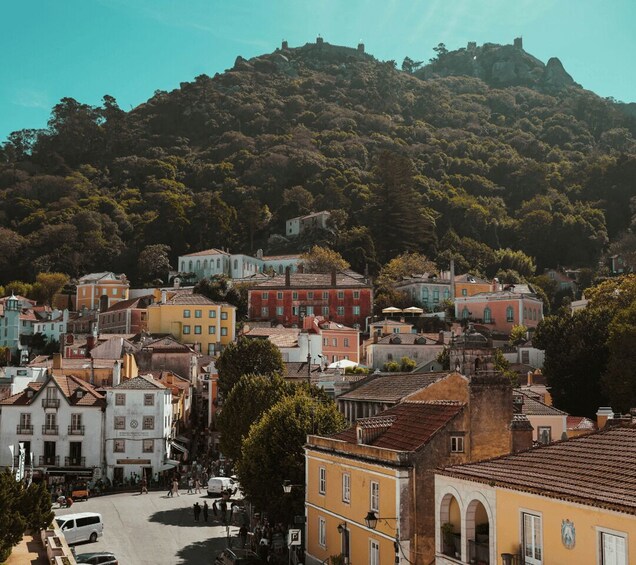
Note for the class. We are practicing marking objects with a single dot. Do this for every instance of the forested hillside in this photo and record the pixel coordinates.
(444, 160)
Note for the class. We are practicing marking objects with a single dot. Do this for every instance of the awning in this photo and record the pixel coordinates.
(179, 447)
(168, 465)
(183, 439)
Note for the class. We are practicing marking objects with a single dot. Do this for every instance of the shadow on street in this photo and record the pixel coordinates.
(184, 517)
(201, 551)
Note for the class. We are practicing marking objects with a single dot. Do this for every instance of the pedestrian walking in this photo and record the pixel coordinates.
(243, 535)
(175, 487)
(190, 485)
(144, 485)
(206, 509)
(197, 511)
(197, 486)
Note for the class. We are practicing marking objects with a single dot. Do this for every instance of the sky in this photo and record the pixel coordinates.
(85, 49)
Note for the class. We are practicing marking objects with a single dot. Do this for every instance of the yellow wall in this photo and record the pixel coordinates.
(169, 318)
(557, 425)
(586, 519)
(471, 288)
(88, 295)
(331, 507)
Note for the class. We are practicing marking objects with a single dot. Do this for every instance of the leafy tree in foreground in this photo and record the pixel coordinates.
(247, 355)
(250, 398)
(273, 452)
(322, 260)
(518, 335)
(620, 377)
(153, 262)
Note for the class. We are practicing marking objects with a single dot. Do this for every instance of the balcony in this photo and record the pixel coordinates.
(50, 430)
(451, 543)
(50, 403)
(75, 462)
(24, 430)
(76, 430)
(51, 460)
(479, 551)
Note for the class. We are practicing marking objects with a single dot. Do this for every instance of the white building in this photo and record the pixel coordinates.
(53, 326)
(296, 226)
(16, 379)
(60, 422)
(216, 262)
(137, 428)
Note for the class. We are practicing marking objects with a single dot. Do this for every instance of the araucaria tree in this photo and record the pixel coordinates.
(273, 452)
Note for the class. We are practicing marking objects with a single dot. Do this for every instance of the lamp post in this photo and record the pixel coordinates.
(344, 532)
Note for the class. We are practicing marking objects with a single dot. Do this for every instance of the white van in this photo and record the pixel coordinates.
(85, 526)
(217, 485)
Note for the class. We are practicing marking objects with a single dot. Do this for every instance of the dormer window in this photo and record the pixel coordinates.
(79, 393)
(29, 393)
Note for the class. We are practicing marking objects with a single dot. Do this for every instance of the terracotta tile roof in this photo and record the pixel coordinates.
(392, 387)
(280, 337)
(142, 382)
(139, 302)
(186, 298)
(211, 251)
(106, 275)
(532, 406)
(72, 364)
(297, 370)
(69, 386)
(334, 326)
(468, 278)
(598, 469)
(407, 339)
(407, 426)
(312, 280)
(580, 423)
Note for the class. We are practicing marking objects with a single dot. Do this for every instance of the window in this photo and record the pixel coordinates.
(265, 295)
(464, 292)
(457, 444)
(510, 315)
(544, 434)
(211, 313)
(325, 310)
(532, 542)
(25, 420)
(322, 480)
(374, 503)
(345, 342)
(76, 421)
(223, 331)
(211, 330)
(149, 423)
(223, 315)
(340, 294)
(119, 446)
(487, 315)
(334, 342)
(340, 311)
(525, 357)
(322, 532)
(436, 296)
(186, 330)
(613, 549)
(310, 295)
(374, 552)
(294, 296)
(356, 310)
(465, 313)
(197, 313)
(525, 313)
(325, 295)
(279, 310)
(264, 312)
(346, 487)
(310, 310)
(186, 313)
(120, 422)
(356, 294)
(120, 399)
(149, 399)
(197, 329)
(148, 445)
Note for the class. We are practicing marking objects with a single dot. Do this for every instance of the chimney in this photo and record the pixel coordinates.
(604, 414)
(117, 373)
(287, 276)
(164, 296)
(375, 337)
(57, 360)
(440, 339)
(301, 268)
(521, 433)
(333, 277)
(530, 378)
(90, 344)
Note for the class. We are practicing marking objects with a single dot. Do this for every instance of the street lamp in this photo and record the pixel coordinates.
(287, 486)
(344, 532)
(371, 520)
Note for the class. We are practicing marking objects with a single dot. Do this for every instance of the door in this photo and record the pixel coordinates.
(118, 475)
(49, 453)
(75, 453)
(70, 531)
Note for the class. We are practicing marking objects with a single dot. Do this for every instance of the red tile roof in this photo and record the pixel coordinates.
(186, 299)
(580, 423)
(311, 280)
(391, 387)
(408, 426)
(598, 469)
(69, 386)
(532, 406)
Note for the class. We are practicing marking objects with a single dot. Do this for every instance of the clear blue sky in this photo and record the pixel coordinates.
(130, 48)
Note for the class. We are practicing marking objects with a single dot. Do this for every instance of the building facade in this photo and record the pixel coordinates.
(99, 291)
(288, 299)
(126, 317)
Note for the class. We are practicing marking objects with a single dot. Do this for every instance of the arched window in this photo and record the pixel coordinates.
(235, 264)
(218, 263)
(525, 313)
(182, 266)
(190, 265)
(198, 264)
(487, 315)
(280, 269)
(205, 264)
(510, 315)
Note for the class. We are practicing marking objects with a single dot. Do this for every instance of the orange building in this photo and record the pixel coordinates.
(338, 341)
(99, 291)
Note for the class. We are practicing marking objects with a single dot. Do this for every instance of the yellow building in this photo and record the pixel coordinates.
(384, 465)
(99, 291)
(572, 502)
(194, 320)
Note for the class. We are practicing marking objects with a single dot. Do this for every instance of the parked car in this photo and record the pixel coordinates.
(98, 558)
(218, 485)
(237, 556)
(85, 526)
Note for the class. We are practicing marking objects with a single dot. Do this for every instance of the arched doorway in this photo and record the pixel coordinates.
(451, 521)
(478, 533)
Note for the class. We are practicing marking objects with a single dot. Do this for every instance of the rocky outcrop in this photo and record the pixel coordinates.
(555, 76)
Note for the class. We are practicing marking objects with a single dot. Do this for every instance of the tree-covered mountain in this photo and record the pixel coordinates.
(477, 151)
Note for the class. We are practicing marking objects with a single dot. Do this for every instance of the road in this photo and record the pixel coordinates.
(152, 529)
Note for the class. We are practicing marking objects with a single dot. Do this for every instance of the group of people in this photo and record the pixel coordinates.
(197, 508)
